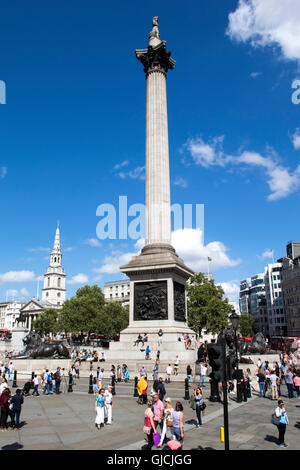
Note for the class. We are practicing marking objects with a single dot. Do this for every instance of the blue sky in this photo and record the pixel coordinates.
(72, 132)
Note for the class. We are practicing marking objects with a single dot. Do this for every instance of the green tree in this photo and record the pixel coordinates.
(47, 322)
(206, 308)
(245, 325)
(87, 313)
(113, 319)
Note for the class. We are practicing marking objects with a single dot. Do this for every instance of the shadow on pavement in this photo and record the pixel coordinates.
(271, 439)
(14, 446)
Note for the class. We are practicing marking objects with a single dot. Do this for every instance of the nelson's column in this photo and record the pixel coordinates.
(157, 275)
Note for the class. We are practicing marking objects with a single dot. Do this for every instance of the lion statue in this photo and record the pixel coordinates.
(36, 348)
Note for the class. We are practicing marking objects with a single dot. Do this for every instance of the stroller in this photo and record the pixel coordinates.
(26, 388)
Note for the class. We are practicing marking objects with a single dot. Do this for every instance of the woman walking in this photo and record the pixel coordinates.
(168, 420)
(100, 404)
(177, 428)
(4, 406)
(199, 405)
(95, 386)
(142, 387)
(281, 413)
(149, 426)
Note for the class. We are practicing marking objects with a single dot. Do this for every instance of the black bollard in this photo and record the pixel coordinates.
(135, 392)
(14, 385)
(91, 384)
(70, 388)
(186, 389)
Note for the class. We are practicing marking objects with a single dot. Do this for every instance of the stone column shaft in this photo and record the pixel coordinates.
(158, 216)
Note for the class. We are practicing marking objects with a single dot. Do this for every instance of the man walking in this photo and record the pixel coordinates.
(203, 371)
(35, 386)
(158, 410)
(274, 389)
(16, 406)
(109, 404)
(57, 377)
(289, 380)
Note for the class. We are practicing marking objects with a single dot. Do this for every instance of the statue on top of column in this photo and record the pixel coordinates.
(154, 37)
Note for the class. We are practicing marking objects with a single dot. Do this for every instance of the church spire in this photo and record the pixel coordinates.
(56, 254)
(54, 291)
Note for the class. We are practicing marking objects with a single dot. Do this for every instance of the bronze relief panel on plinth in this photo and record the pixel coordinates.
(150, 301)
(179, 302)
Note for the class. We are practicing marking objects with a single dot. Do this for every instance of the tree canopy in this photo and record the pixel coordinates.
(87, 313)
(47, 322)
(206, 307)
(246, 322)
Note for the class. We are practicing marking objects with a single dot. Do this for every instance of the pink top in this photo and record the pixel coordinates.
(157, 408)
(297, 381)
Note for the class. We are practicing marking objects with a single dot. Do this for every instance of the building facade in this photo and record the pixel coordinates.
(253, 301)
(118, 291)
(277, 323)
(291, 288)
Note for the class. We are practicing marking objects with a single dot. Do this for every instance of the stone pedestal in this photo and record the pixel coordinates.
(18, 334)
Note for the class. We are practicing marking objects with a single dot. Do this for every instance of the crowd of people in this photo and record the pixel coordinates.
(271, 377)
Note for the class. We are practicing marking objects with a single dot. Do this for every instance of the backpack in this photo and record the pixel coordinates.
(49, 378)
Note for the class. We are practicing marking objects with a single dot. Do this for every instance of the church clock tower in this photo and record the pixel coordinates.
(54, 290)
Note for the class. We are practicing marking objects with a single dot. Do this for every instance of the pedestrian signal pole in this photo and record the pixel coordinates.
(225, 401)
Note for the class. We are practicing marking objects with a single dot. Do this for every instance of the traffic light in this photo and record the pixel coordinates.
(215, 357)
(230, 367)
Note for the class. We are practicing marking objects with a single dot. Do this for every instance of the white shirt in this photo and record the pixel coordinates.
(35, 381)
(203, 370)
(273, 378)
(108, 396)
(169, 370)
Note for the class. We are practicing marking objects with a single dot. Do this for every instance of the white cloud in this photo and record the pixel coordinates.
(262, 23)
(179, 181)
(255, 74)
(121, 165)
(111, 264)
(266, 254)
(3, 171)
(281, 180)
(296, 139)
(137, 173)
(206, 154)
(94, 242)
(17, 276)
(231, 290)
(78, 279)
(24, 292)
(189, 245)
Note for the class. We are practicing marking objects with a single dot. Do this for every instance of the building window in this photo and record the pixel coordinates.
(58, 282)
(48, 281)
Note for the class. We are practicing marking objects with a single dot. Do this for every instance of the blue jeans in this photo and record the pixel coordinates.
(290, 388)
(198, 413)
(262, 391)
(46, 389)
(15, 414)
(202, 380)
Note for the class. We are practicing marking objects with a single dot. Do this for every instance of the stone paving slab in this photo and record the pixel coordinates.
(67, 422)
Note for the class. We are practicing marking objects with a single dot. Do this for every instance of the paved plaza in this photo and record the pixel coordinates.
(66, 422)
